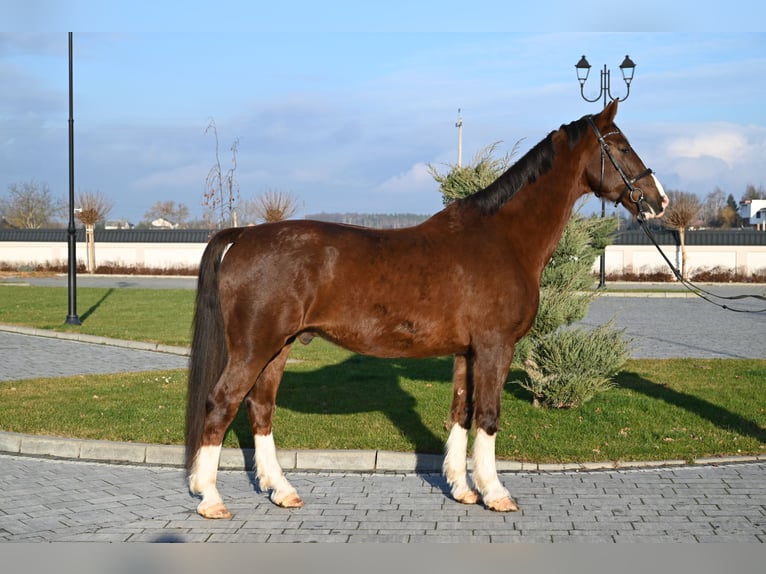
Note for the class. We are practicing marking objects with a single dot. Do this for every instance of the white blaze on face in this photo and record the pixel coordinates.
(663, 195)
(663, 199)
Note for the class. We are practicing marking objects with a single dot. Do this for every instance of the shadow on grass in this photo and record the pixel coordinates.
(717, 415)
(363, 384)
(93, 308)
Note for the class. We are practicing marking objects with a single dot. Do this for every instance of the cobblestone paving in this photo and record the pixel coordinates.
(60, 500)
(683, 327)
(27, 357)
(50, 500)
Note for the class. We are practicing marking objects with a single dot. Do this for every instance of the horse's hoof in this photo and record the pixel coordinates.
(290, 501)
(468, 497)
(505, 504)
(216, 511)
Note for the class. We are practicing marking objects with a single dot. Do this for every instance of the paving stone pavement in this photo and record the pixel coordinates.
(62, 500)
(27, 356)
(59, 501)
(670, 327)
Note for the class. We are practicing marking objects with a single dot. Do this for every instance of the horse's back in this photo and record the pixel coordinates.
(419, 291)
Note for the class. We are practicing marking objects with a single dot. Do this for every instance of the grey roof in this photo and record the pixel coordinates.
(110, 235)
(745, 236)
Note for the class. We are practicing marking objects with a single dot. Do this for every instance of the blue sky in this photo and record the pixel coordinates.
(347, 108)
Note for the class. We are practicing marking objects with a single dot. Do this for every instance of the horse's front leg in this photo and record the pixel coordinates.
(489, 378)
(260, 403)
(461, 413)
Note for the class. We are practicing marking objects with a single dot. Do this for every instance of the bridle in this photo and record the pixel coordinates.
(635, 194)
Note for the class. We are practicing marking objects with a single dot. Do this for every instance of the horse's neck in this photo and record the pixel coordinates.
(538, 214)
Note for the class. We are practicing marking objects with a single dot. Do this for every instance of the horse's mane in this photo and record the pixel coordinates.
(526, 170)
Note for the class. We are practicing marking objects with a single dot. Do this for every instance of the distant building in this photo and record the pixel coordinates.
(162, 223)
(117, 224)
(754, 212)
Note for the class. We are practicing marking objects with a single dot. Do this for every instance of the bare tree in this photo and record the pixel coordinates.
(273, 206)
(222, 190)
(683, 212)
(176, 213)
(94, 207)
(30, 205)
(711, 211)
(752, 192)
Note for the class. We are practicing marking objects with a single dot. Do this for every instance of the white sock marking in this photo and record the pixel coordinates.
(204, 473)
(484, 469)
(270, 476)
(454, 466)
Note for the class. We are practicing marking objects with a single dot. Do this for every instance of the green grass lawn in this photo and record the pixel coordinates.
(330, 398)
(154, 315)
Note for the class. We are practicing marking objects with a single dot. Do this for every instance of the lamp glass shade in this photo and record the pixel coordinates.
(583, 69)
(628, 67)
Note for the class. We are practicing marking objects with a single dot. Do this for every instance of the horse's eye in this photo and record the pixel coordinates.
(624, 149)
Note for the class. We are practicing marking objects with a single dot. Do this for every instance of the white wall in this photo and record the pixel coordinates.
(745, 260)
(152, 255)
(619, 258)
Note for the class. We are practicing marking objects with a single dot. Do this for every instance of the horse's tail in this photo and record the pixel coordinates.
(208, 349)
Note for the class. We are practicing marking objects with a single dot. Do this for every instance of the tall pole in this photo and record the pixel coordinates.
(459, 126)
(71, 318)
(602, 259)
(583, 68)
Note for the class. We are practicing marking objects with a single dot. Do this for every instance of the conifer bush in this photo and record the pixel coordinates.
(570, 366)
(566, 367)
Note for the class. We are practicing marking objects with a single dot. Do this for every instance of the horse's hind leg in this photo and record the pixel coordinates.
(223, 402)
(461, 413)
(202, 480)
(260, 403)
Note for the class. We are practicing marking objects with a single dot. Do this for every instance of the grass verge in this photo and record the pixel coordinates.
(153, 315)
(330, 398)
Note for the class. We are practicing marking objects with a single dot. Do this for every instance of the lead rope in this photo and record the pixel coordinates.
(697, 290)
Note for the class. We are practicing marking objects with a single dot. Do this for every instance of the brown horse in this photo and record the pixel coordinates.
(464, 282)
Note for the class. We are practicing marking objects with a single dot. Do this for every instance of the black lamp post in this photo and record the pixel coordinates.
(628, 67)
(71, 318)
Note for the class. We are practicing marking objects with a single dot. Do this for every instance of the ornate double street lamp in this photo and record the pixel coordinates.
(628, 67)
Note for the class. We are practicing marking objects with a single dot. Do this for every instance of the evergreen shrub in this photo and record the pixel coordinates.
(569, 367)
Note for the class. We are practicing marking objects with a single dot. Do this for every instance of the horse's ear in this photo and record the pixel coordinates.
(610, 111)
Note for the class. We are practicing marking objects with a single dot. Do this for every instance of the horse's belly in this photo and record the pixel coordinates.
(401, 340)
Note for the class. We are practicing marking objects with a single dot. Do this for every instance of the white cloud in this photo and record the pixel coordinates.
(696, 170)
(699, 157)
(414, 180)
(725, 146)
(733, 144)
